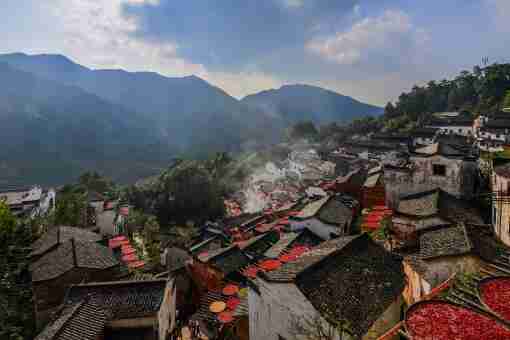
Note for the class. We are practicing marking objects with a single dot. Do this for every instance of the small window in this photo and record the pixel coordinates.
(439, 170)
(460, 130)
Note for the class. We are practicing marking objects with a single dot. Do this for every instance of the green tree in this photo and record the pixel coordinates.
(71, 207)
(187, 193)
(16, 318)
(506, 101)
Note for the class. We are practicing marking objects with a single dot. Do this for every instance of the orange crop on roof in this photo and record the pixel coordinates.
(251, 272)
(217, 306)
(233, 302)
(225, 317)
(230, 289)
(287, 258)
(270, 264)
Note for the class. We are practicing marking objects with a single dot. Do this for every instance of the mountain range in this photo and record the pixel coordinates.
(59, 118)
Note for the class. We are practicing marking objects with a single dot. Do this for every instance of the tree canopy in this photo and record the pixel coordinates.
(482, 90)
(16, 320)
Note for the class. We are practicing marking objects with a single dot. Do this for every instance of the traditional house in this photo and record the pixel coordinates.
(461, 124)
(352, 183)
(68, 263)
(373, 188)
(327, 217)
(500, 186)
(116, 310)
(495, 130)
(424, 136)
(441, 253)
(209, 269)
(441, 165)
(59, 235)
(288, 241)
(348, 284)
(430, 209)
(82, 320)
(29, 201)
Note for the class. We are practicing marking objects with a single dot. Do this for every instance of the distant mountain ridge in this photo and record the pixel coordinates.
(132, 110)
(305, 102)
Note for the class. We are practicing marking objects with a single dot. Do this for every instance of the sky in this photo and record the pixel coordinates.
(371, 50)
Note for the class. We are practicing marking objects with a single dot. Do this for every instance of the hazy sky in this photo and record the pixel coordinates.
(371, 50)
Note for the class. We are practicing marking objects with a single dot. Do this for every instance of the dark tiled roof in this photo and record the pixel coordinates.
(289, 271)
(439, 203)
(81, 321)
(424, 132)
(498, 124)
(121, 299)
(420, 204)
(305, 238)
(62, 234)
(356, 282)
(69, 255)
(258, 245)
(335, 212)
(230, 260)
(176, 258)
(445, 241)
(281, 245)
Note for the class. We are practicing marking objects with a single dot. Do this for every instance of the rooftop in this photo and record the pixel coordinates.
(121, 299)
(349, 278)
(69, 255)
(439, 203)
(446, 241)
(60, 235)
(83, 320)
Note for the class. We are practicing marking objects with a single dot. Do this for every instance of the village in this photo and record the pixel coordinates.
(384, 236)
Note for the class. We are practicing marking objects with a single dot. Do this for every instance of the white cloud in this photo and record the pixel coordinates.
(391, 32)
(95, 33)
(243, 83)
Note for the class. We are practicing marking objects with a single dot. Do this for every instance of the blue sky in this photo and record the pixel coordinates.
(372, 49)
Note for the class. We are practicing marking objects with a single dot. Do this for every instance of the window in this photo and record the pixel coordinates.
(439, 170)
(460, 130)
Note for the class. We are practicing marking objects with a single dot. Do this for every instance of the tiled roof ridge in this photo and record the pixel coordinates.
(334, 252)
(117, 283)
(69, 317)
(462, 225)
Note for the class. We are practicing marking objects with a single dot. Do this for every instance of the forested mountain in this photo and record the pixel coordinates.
(293, 103)
(50, 132)
(82, 119)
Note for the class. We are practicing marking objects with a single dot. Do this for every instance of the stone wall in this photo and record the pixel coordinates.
(459, 181)
(501, 208)
(275, 311)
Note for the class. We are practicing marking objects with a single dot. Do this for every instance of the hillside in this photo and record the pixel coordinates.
(139, 118)
(293, 103)
(51, 132)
